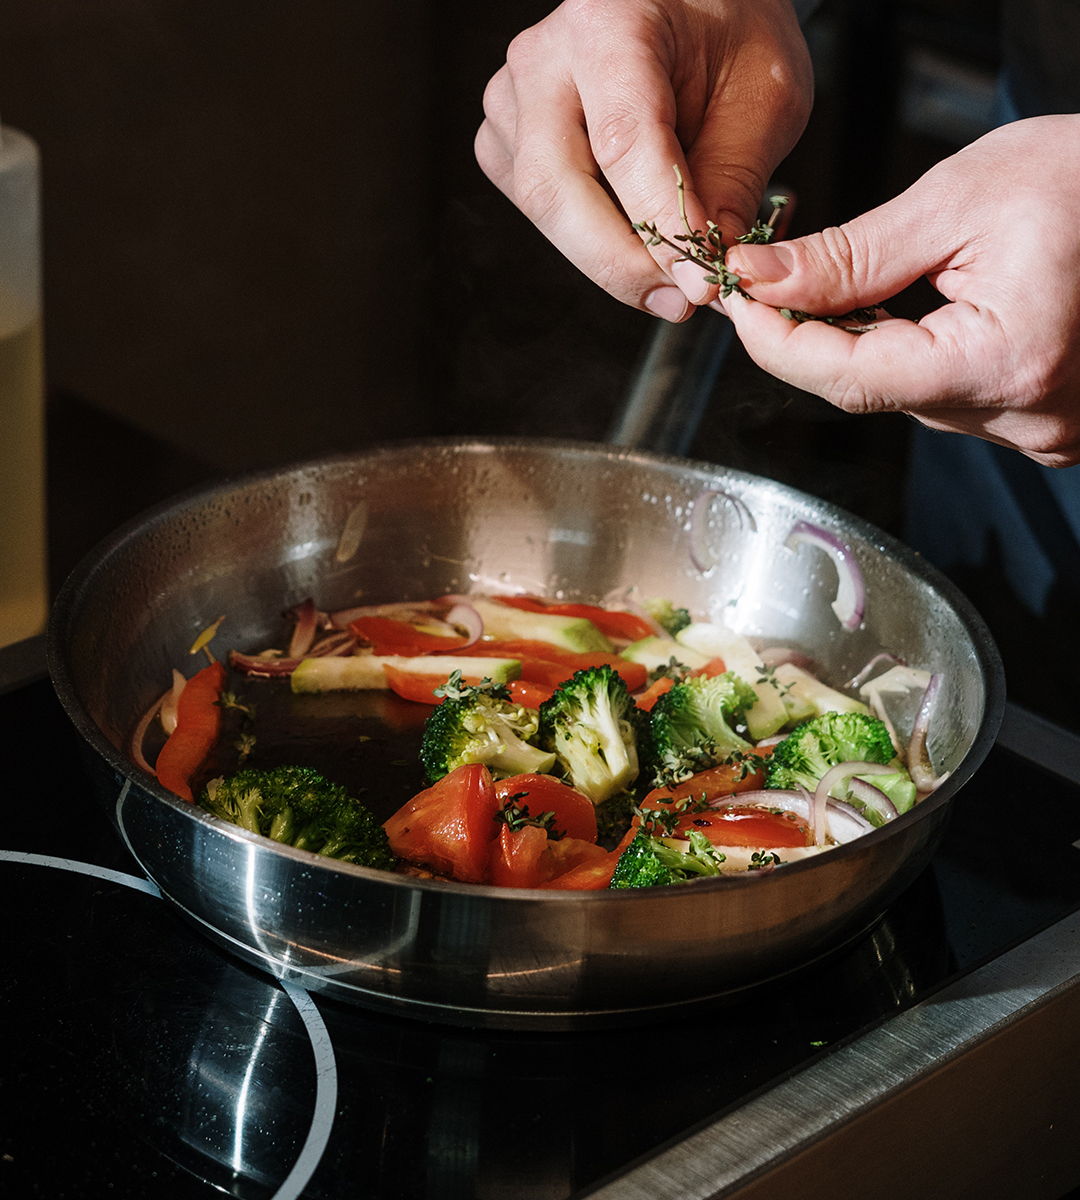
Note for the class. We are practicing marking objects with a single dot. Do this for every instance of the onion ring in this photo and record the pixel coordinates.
(919, 765)
(700, 554)
(850, 602)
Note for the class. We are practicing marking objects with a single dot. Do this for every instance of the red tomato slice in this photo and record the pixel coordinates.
(648, 699)
(412, 685)
(198, 724)
(389, 636)
(715, 666)
(723, 780)
(574, 812)
(531, 695)
(594, 873)
(621, 625)
(449, 827)
(520, 859)
(745, 825)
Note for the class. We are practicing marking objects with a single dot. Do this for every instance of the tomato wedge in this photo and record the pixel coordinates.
(449, 827)
(574, 811)
(622, 625)
(519, 858)
(390, 636)
(724, 780)
(747, 825)
(594, 873)
(198, 724)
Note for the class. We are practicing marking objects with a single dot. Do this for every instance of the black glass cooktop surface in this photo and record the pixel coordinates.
(141, 1060)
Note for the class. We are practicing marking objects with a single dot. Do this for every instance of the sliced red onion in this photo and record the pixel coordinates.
(846, 823)
(775, 740)
(834, 777)
(789, 800)
(856, 681)
(307, 623)
(266, 668)
(700, 554)
(172, 699)
(401, 610)
(640, 611)
(776, 656)
(850, 602)
(334, 645)
(464, 616)
(919, 765)
(873, 798)
(878, 709)
(137, 737)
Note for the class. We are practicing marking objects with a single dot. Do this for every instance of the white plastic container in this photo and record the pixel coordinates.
(23, 580)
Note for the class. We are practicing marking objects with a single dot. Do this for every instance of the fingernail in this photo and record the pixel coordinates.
(667, 302)
(762, 264)
(691, 280)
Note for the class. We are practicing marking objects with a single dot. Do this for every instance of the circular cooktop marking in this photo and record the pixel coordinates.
(326, 1084)
(82, 868)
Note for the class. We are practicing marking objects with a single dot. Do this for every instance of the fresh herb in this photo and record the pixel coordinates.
(516, 816)
(672, 669)
(762, 860)
(245, 741)
(455, 689)
(709, 251)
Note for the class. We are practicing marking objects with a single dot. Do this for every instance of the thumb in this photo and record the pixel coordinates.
(855, 265)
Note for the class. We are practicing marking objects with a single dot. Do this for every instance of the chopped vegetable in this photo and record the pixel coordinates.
(198, 724)
(651, 861)
(804, 757)
(693, 725)
(299, 807)
(667, 616)
(481, 724)
(450, 826)
(591, 724)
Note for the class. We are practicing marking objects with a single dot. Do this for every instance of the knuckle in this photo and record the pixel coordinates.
(613, 137)
(536, 193)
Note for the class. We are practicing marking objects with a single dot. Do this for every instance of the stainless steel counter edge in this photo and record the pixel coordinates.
(975, 1092)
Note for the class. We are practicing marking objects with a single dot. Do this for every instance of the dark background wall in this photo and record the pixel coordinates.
(266, 238)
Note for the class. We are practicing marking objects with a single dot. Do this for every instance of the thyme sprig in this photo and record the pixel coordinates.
(709, 250)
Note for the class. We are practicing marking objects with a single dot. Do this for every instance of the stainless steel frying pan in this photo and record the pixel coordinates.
(584, 521)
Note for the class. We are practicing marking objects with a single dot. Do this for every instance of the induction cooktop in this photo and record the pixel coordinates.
(141, 1060)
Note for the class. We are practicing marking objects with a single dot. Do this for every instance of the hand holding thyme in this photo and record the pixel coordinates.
(709, 251)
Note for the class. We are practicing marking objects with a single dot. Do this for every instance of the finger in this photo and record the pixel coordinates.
(898, 366)
(557, 185)
(861, 263)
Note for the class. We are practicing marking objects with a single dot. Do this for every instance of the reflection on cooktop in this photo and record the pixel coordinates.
(148, 1062)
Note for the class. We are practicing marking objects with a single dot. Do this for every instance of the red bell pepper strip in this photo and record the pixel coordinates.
(198, 724)
(529, 695)
(389, 636)
(623, 626)
(414, 685)
(648, 698)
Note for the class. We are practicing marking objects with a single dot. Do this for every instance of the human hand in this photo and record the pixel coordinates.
(996, 229)
(602, 98)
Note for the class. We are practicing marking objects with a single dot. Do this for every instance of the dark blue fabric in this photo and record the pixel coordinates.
(958, 496)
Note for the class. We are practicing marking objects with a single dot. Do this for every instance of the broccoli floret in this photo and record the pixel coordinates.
(667, 616)
(591, 724)
(299, 807)
(482, 725)
(654, 862)
(693, 723)
(825, 741)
